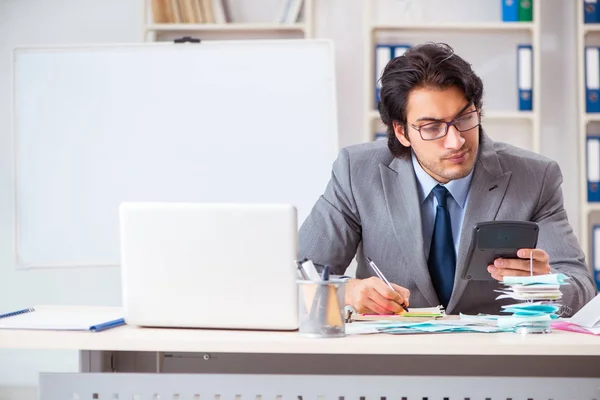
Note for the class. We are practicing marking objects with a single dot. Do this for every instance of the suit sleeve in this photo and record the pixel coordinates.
(557, 238)
(332, 231)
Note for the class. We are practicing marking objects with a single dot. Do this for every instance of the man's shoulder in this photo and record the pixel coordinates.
(376, 152)
(512, 158)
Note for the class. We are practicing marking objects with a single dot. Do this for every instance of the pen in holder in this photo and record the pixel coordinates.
(321, 306)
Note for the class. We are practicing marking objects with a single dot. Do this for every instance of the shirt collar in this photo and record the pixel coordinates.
(458, 188)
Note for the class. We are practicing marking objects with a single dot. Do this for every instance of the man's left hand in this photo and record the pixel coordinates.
(520, 266)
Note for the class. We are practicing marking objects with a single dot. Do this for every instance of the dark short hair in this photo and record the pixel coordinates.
(429, 65)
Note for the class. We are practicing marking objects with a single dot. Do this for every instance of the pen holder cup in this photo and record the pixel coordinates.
(321, 308)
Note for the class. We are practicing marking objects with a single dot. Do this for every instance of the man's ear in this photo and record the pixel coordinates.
(400, 134)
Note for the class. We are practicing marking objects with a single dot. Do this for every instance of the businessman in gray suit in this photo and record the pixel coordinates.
(411, 204)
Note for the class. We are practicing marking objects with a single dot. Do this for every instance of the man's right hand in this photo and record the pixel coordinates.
(373, 296)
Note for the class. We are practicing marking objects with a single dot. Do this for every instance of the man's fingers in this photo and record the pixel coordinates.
(539, 268)
(374, 295)
(511, 263)
(379, 285)
(498, 273)
(390, 306)
(500, 278)
(404, 292)
(375, 307)
(385, 291)
(384, 297)
(538, 254)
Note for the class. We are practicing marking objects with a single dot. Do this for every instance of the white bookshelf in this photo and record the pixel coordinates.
(488, 115)
(471, 26)
(589, 211)
(527, 32)
(585, 28)
(239, 30)
(236, 27)
(589, 117)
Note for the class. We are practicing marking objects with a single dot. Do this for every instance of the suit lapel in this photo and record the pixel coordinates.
(487, 189)
(401, 196)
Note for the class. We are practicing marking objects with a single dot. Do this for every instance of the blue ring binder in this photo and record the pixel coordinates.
(108, 325)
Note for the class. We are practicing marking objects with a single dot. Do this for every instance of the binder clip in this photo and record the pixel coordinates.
(186, 39)
(349, 313)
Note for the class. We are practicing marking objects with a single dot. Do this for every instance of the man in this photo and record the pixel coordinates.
(411, 205)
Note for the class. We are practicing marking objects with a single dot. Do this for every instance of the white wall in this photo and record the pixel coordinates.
(41, 22)
(560, 132)
(38, 22)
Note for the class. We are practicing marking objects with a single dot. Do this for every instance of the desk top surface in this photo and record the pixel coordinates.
(130, 338)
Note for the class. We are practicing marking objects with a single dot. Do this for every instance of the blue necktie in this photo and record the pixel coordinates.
(442, 259)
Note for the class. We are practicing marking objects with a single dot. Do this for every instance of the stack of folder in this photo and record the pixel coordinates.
(525, 76)
(517, 10)
(592, 79)
(384, 53)
(590, 12)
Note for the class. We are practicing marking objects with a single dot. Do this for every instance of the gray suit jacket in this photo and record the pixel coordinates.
(370, 208)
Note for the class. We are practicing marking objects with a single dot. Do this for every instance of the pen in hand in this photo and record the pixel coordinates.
(383, 278)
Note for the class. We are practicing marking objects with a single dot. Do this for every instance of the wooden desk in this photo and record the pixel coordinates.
(133, 349)
(129, 338)
(232, 364)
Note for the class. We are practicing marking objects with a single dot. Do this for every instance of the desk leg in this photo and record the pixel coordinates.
(96, 361)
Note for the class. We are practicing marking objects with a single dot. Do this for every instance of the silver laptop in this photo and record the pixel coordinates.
(198, 265)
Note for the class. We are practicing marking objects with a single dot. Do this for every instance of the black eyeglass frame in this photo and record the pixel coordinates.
(448, 125)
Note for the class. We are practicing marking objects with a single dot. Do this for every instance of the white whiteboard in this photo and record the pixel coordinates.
(250, 121)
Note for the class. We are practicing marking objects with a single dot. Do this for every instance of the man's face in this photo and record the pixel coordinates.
(452, 156)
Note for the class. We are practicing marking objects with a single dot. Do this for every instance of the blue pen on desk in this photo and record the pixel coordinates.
(383, 278)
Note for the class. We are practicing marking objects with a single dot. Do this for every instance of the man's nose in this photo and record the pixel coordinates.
(454, 139)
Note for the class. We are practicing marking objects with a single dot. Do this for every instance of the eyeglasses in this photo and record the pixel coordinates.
(439, 129)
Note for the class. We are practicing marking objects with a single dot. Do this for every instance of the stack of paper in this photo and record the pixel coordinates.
(432, 326)
(419, 314)
(535, 287)
(539, 314)
(540, 292)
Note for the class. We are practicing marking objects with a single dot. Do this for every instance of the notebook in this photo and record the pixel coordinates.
(94, 319)
(425, 313)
